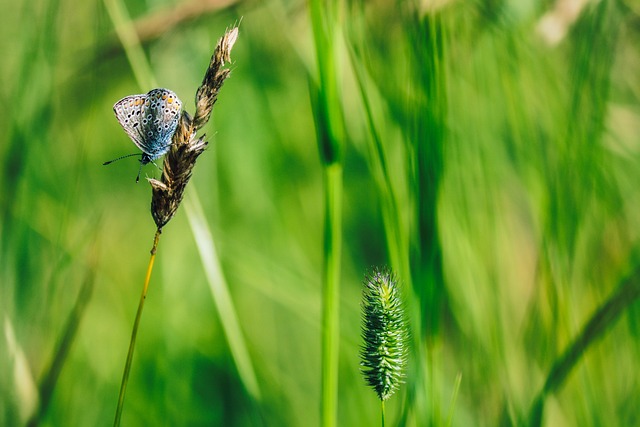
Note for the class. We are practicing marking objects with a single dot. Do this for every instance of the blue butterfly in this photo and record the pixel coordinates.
(150, 121)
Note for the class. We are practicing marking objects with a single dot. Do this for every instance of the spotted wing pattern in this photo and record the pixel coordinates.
(150, 120)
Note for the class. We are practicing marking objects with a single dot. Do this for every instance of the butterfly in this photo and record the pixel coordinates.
(150, 120)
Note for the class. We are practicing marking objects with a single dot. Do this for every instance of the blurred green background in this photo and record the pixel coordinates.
(491, 157)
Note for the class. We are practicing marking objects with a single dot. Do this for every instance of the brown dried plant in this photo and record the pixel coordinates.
(186, 146)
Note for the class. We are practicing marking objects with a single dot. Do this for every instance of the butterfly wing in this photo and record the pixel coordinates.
(150, 120)
(129, 112)
(160, 121)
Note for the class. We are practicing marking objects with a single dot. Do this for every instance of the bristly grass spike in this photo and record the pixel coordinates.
(150, 120)
(384, 332)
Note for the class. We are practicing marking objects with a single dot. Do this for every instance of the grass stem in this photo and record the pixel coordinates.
(329, 128)
(331, 300)
(134, 332)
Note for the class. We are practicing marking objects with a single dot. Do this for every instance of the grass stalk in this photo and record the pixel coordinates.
(603, 319)
(331, 292)
(382, 411)
(134, 332)
(328, 117)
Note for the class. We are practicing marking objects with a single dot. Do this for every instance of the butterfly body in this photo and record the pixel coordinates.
(150, 120)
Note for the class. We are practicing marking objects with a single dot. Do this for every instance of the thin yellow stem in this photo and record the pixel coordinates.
(134, 332)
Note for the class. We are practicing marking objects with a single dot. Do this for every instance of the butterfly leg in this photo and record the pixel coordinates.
(139, 170)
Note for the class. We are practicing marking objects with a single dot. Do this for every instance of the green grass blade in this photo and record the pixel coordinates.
(52, 373)
(601, 321)
(331, 292)
(329, 125)
(454, 398)
(220, 292)
(131, 44)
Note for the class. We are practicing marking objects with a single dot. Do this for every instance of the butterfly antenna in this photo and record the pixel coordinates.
(120, 158)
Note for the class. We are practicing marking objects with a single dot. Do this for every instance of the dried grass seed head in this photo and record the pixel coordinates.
(186, 147)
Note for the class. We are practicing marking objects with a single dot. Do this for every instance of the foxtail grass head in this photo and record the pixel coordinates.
(186, 146)
(384, 332)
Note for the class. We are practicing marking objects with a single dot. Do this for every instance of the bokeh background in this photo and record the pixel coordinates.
(491, 157)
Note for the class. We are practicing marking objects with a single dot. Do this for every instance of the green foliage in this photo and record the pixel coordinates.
(489, 155)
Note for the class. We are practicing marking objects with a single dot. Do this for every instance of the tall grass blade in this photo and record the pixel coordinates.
(52, 373)
(425, 137)
(22, 380)
(132, 48)
(454, 398)
(397, 245)
(331, 292)
(329, 131)
(220, 293)
(602, 320)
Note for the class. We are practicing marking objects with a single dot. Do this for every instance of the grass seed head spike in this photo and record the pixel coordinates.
(186, 146)
(207, 93)
(384, 333)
